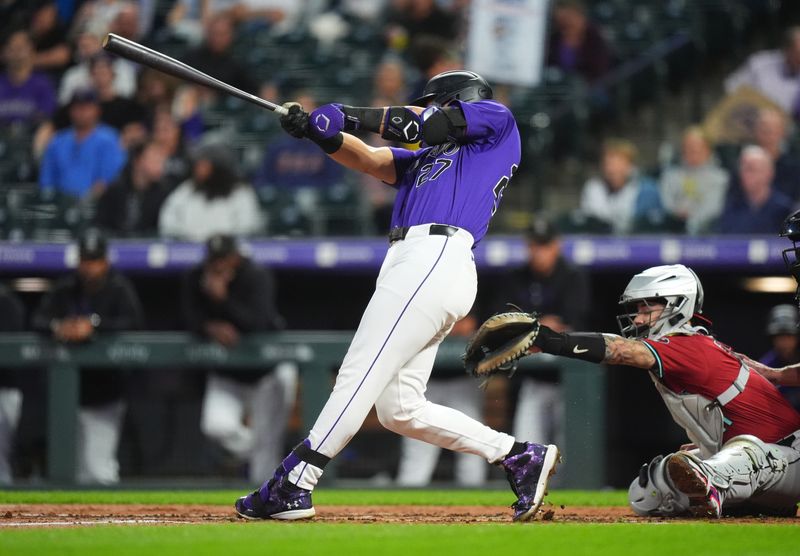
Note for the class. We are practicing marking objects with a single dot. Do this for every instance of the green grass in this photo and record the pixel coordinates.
(322, 539)
(322, 497)
(380, 539)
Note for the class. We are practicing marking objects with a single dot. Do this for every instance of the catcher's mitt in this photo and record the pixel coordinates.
(500, 342)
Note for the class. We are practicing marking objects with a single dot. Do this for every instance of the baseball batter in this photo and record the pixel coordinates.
(447, 192)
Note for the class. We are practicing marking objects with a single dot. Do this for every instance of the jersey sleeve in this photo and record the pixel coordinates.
(679, 360)
(485, 119)
(403, 159)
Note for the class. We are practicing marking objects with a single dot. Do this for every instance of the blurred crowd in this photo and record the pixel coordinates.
(92, 139)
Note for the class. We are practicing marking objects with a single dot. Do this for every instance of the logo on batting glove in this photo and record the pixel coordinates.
(322, 123)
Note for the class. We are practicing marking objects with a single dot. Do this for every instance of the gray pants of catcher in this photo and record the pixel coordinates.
(746, 471)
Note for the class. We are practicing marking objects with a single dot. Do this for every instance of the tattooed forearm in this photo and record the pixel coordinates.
(622, 351)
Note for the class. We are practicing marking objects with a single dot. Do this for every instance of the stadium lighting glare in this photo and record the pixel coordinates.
(770, 284)
(31, 285)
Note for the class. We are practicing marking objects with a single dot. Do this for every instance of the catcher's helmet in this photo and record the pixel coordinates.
(675, 286)
(462, 85)
(791, 255)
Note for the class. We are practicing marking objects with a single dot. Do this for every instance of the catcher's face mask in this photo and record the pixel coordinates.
(641, 316)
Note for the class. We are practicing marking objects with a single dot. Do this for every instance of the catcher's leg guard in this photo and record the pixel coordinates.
(652, 494)
(745, 467)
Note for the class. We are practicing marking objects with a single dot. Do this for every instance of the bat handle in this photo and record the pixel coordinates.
(281, 110)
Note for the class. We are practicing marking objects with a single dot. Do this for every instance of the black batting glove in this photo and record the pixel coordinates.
(295, 123)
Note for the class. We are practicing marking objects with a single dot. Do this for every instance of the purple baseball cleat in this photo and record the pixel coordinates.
(687, 474)
(277, 499)
(528, 474)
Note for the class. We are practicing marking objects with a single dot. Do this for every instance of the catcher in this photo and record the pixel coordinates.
(746, 435)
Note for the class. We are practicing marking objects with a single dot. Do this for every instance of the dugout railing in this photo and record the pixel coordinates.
(317, 354)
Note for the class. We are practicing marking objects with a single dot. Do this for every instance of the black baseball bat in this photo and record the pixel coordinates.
(157, 60)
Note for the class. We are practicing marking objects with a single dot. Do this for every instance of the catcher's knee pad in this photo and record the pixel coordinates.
(761, 454)
(651, 493)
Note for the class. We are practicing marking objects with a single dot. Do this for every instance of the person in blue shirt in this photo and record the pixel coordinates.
(82, 159)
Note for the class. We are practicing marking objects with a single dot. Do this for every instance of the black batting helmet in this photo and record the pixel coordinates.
(463, 85)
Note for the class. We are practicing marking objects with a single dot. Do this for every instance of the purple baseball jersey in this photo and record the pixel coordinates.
(459, 184)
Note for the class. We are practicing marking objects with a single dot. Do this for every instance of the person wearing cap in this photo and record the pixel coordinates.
(81, 160)
(223, 298)
(559, 291)
(782, 329)
(93, 300)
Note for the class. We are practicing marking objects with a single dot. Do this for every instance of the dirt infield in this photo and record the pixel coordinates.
(71, 515)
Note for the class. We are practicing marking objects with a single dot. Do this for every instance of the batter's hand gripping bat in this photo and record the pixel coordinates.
(157, 60)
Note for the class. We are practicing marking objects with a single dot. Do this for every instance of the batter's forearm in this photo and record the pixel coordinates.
(357, 155)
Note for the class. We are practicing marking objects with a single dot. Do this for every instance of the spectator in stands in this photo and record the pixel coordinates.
(694, 190)
(575, 44)
(168, 136)
(186, 20)
(773, 73)
(406, 20)
(131, 205)
(93, 300)
(287, 164)
(245, 411)
(782, 329)
(49, 37)
(450, 387)
(130, 19)
(159, 92)
(389, 84)
(559, 291)
(431, 56)
(621, 196)
(125, 115)
(771, 133)
(212, 201)
(757, 208)
(278, 15)
(82, 159)
(26, 96)
(215, 57)
(89, 44)
(10, 395)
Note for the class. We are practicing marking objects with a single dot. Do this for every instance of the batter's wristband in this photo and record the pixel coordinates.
(369, 119)
(577, 345)
(331, 144)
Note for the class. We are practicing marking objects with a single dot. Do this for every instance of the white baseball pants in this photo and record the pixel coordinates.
(267, 404)
(426, 283)
(10, 411)
(418, 459)
(98, 439)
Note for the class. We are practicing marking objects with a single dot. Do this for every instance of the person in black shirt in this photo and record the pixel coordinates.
(125, 115)
(559, 291)
(93, 300)
(224, 297)
(215, 58)
(13, 320)
(130, 206)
